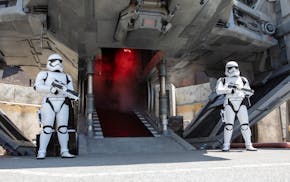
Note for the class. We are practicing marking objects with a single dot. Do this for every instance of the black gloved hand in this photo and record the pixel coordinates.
(53, 90)
(233, 91)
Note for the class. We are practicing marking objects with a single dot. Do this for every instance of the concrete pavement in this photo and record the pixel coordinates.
(199, 165)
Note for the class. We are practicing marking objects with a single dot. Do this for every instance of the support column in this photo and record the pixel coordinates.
(284, 27)
(90, 95)
(288, 119)
(283, 119)
(148, 96)
(163, 97)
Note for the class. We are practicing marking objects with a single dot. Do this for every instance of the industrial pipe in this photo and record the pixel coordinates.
(163, 97)
(90, 95)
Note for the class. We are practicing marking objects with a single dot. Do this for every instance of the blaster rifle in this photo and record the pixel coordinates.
(62, 88)
(248, 91)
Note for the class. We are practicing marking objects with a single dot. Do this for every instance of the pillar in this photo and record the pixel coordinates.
(90, 95)
(288, 120)
(163, 97)
(283, 119)
(285, 12)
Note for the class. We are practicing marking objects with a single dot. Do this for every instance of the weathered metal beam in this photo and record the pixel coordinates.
(153, 62)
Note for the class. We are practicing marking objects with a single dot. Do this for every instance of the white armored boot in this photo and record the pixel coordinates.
(250, 147)
(66, 154)
(63, 140)
(246, 132)
(43, 142)
(226, 147)
(228, 131)
(41, 155)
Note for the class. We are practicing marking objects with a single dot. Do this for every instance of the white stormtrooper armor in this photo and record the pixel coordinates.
(236, 90)
(54, 105)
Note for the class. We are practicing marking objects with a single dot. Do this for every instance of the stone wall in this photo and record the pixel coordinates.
(20, 104)
(19, 94)
(269, 128)
(275, 126)
(24, 117)
(190, 99)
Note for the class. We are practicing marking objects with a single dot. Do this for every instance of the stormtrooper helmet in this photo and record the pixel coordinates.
(54, 63)
(232, 69)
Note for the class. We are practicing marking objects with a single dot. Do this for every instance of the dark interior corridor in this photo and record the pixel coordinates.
(118, 90)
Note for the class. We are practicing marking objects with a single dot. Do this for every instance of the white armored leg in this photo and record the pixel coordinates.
(47, 117)
(62, 134)
(43, 141)
(228, 129)
(245, 129)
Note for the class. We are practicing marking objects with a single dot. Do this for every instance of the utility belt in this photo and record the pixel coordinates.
(66, 101)
(245, 101)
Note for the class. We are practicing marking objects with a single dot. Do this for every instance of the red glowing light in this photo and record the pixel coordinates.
(127, 50)
(116, 82)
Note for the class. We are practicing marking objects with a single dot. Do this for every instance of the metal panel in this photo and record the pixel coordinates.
(12, 139)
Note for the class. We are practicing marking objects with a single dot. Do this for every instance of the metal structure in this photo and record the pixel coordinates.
(192, 36)
(12, 139)
(206, 131)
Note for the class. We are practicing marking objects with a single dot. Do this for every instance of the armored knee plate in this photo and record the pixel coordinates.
(47, 129)
(229, 126)
(244, 127)
(62, 129)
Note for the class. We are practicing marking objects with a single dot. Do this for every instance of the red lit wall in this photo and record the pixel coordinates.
(116, 79)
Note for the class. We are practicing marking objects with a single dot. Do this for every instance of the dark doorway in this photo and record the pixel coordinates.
(118, 90)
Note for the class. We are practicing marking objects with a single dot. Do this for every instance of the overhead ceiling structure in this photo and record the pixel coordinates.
(25, 41)
(195, 36)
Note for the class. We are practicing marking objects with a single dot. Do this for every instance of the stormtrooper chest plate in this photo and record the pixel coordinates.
(55, 76)
(237, 81)
(238, 96)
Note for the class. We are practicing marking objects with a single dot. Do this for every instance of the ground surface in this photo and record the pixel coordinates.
(212, 165)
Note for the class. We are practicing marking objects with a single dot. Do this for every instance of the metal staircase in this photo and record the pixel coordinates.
(147, 123)
(97, 129)
(12, 139)
(98, 133)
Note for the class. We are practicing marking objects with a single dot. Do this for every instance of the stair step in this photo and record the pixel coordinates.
(98, 133)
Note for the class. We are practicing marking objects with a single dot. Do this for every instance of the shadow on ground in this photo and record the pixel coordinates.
(12, 162)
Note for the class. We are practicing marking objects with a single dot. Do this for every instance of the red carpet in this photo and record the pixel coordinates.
(121, 124)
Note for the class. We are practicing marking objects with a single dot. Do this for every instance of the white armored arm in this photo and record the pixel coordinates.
(247, 89)
(40, 85)
(222, 88)
(70, 83)
(246, 83)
